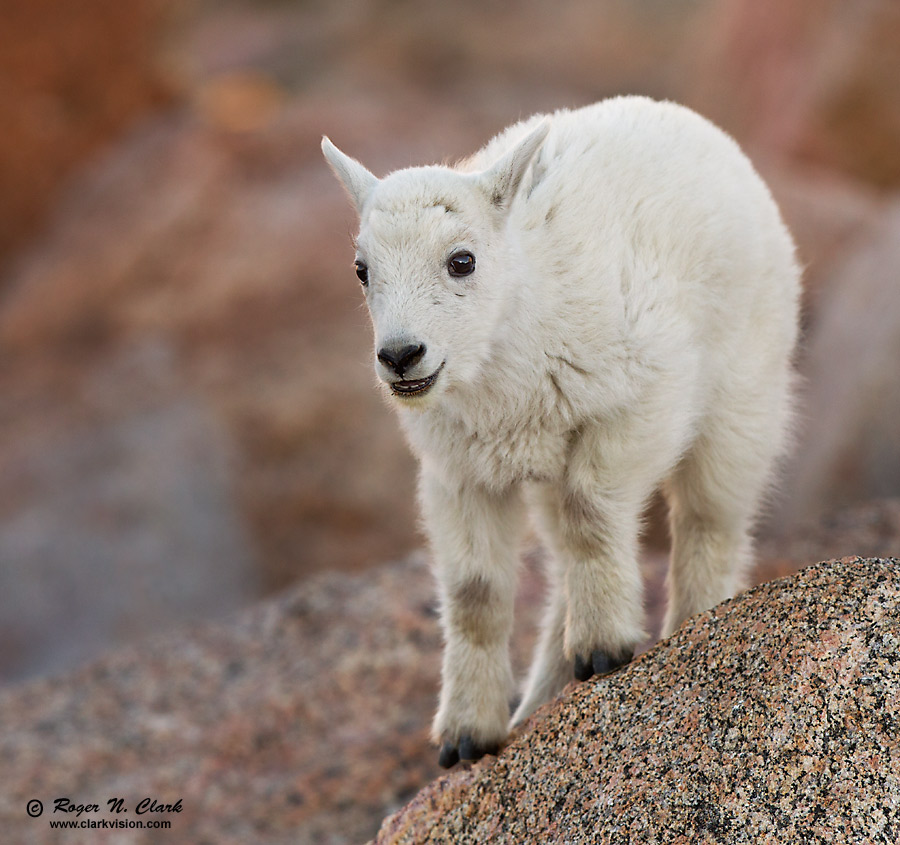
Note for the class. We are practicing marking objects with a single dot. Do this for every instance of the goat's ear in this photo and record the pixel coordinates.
(357, 181)
(502, 180)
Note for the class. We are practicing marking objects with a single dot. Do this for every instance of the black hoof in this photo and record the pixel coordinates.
(467, 749)
(449, 756)
(583, 668)
(600, 663)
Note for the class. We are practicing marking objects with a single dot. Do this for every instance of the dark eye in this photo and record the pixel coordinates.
(461, 264)
(362, 272)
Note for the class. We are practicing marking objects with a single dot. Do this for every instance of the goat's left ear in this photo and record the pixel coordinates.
(502, 180)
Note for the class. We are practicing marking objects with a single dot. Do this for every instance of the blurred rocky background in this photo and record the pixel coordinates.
(188, 420)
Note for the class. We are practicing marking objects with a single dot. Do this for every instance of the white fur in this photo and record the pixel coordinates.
(629, 325)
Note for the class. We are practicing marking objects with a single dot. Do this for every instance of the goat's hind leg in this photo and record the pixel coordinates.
(714, 496)
(550, 669)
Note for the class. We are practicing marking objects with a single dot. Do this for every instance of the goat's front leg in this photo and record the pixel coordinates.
(474, 535)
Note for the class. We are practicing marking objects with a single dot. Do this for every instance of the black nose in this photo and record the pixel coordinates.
(401, 358)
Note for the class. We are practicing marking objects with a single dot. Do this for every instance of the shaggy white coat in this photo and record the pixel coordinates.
(629, 325)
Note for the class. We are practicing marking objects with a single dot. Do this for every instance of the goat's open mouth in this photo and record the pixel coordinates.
(416, 386)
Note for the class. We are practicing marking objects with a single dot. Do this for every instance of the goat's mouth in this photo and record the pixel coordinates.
(415, 386)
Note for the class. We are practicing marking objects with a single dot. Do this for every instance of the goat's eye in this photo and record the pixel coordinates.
(362, 272)
(461, 264)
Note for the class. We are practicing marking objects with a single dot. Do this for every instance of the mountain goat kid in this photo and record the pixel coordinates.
(599, 303)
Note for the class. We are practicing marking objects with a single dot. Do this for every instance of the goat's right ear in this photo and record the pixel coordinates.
(501, 181)
(357, 181)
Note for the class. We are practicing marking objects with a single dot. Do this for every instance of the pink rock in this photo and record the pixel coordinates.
(771, 717)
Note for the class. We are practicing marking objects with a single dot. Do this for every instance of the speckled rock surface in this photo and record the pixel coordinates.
(773, 718)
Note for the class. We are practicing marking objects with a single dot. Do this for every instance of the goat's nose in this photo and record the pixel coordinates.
(401, 358)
